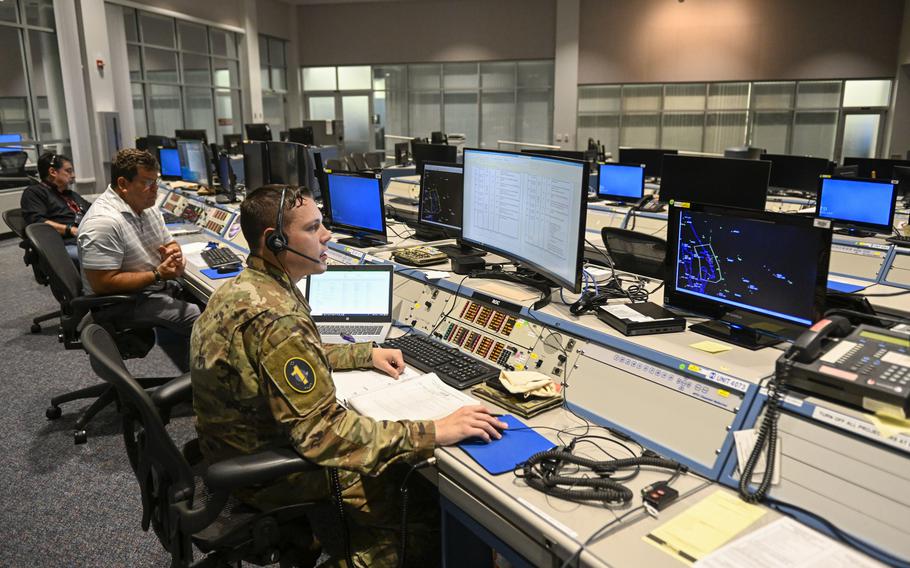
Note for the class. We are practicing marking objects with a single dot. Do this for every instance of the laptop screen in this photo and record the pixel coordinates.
(351, 293)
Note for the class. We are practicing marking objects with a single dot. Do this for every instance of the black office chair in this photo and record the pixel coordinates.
(15, 221)
(336, 165)
(360, 162)
(12, 164)
(75, 312)
(351, 164)
(638, 253)
(187, 502)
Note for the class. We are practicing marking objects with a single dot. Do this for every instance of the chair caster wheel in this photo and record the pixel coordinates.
(80, 437)
(36, 328)
(53, 412)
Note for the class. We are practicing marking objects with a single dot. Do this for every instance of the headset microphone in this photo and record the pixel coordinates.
(310, 258)
(278, 241)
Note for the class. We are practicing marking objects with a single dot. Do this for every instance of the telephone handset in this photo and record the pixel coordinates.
(649, 203)
(808, 347)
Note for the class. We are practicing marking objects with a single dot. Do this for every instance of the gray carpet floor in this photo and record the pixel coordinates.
(62, 504)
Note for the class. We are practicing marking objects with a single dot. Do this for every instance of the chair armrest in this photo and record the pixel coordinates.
(91, 301)
(254, 469)
(173, 392)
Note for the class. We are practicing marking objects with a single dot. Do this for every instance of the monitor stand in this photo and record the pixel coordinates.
(525, 277)
(859, 233)
(460, 249)
(360, 242)
(735, 334)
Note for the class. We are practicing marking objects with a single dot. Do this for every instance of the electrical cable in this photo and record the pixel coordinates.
(403, 490)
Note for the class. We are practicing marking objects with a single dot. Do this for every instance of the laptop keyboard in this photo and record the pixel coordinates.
(354, 330)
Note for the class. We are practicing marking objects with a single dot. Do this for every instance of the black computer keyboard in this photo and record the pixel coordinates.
(170, 218)
(451, 365)
(221, 258)
(899, 240)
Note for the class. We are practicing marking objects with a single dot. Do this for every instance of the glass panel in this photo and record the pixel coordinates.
(535, 116)
(164, 110)
(732, 96)
(771, 130)
(460, 76)
(461, 116)
(603, 128)
(724, 130)
(130, 25)
(684, 97)
(861, 135)
(322, 108)
(139, 109)
(389, 77)
(641, 97)
(535, 74)
(683, 131)
(226, 72)
(818, 94)
(276, 52)
(160, 65)
(224, 43)
(392, 108)
(157, 30)
(193, 37)
(775, 94)
(14, 118)
(9, 12)
(40, 13)
(227, 112)
(263, 51)
(273, 111)
(278, 79)
(355, 111)
(132, 54)
(497, 116)
(813, 134)
(599, 98)
(199, 110)
(424, 76)
(196, 69)
(354, 78)
(867, 93)
(640, 130)
(264, 77)
(319, 79)
(424, 114)
(497, 75)
(47, 83)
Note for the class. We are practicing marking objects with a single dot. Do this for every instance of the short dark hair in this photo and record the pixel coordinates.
(259, 211)
(50, 160)
(126, 163)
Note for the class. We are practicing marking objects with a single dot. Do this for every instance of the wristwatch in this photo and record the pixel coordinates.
(68, 231)
(157, 275)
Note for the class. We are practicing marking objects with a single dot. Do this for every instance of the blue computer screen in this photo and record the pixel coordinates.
(621, 182)
(192, 161)
(170, 162)
(856, 201)
(356, 201)
(10, 138)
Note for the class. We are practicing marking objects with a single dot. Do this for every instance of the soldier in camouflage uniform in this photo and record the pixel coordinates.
(262, 379)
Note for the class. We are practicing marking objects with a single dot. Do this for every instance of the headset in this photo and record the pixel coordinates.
(278, 241)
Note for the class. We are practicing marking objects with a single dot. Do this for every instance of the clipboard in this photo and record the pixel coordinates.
(517, 444)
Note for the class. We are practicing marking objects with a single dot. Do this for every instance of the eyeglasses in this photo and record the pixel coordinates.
(150, 183)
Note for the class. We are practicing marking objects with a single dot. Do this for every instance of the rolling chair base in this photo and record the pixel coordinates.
(36, 323)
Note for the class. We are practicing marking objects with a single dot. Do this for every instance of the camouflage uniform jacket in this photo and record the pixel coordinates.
(262, 379)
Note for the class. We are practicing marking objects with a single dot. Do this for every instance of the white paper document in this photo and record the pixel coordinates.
(785, 543)
(420, 397)
(349, 384)
(745, 440)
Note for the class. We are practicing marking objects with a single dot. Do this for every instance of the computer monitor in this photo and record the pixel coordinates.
(354, 204)
(318, 172)
(438, 137)
(284, 163)
(744, 152)
(255, 165)
(571, 154)
(153, 141)
(192, 134)
(439, 207)
(762, 276)
(728, 182)
(227, 178)
(856, 203)
(233, 143)
(401, 153)
(432, 153)
(529, 209)
(194, 166)
(621, 182)
(796, 172)
(302, 135)
(259, 131)
(652, 158)
(7, 138)
(902, 176)
(169, 159)
(878, 168)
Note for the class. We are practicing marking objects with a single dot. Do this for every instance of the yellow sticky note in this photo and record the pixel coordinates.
(704, 527)
(711, 347)
(889, 426)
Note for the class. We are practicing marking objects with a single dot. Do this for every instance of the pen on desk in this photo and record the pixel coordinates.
(348, 338)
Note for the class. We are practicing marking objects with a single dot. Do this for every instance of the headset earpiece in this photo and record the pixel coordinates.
(278, 241)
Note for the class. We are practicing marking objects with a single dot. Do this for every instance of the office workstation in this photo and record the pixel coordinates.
(654, 243)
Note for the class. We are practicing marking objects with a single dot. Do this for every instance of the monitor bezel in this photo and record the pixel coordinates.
(206, 162)
(160, 164)
(575, 285)
(614, 197)
(372, 234)
(448, 231)
(849, 224)
(718, 309)
(387, 268)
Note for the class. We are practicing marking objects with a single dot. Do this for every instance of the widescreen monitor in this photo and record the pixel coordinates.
(226, 177)
(762, 276)
(857, 203)
(285, 163)
(527, 208)
(169, 159)
(259, 131)
(902, 176)
(728, 182)
(355, 205)
(194, 166)
(439, 204)
(878, 168)
(302, 135)
(7, 138)
(432, 153)
(652, 158)
(192, 134)
(255, 165)
(796, 172)
(621, 182)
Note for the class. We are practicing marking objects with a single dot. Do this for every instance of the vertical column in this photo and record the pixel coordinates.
(250, 74)
(295, 97)
(897, 138)
(120, 73)
(565, 88)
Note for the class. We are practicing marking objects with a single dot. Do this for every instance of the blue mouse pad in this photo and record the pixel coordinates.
(213, 274)
(844, 287)
(515, 447)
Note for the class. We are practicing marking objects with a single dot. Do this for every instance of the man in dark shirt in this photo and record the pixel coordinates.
(53, 201)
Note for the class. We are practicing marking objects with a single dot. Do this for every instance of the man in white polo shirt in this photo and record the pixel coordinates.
(124, 247)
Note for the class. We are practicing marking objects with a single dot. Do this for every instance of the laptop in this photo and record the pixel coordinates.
(351, 303)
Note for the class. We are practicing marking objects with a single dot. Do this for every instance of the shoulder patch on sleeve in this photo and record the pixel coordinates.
(299, 375)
